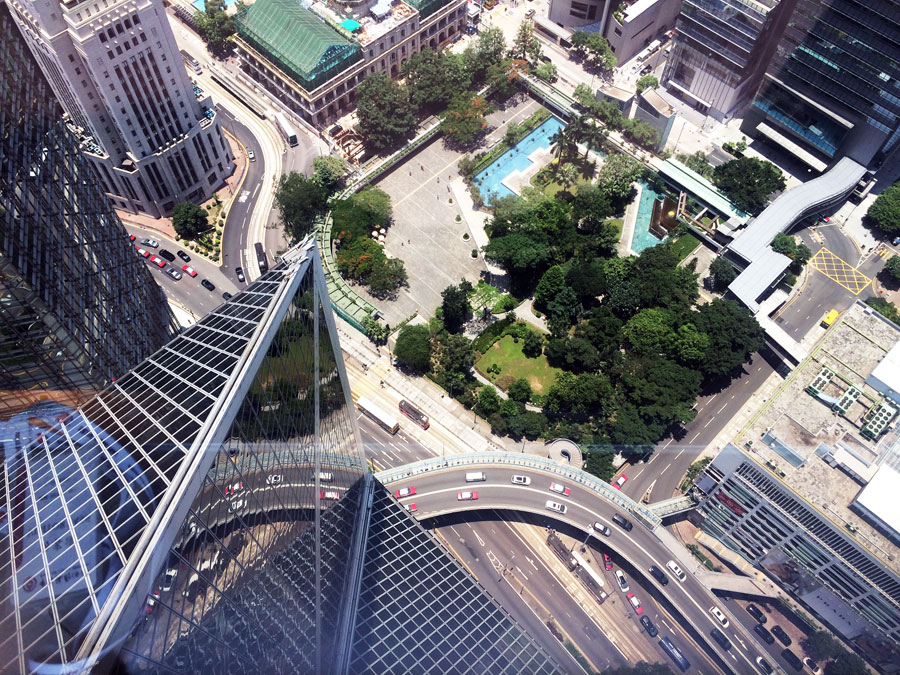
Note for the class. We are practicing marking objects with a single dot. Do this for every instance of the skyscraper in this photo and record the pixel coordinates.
(832, 88)
(211, 511)
(69, 279)
(118, 74)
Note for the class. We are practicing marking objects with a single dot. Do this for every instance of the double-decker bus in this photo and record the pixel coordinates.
(191, 62)
(286, 129)
(675, 654)
(377, 415)
(261, 259)
(414, 414)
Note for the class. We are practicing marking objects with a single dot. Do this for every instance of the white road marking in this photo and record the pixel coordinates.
(722, 408)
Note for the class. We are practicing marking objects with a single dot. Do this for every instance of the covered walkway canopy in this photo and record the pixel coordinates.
(699, 187)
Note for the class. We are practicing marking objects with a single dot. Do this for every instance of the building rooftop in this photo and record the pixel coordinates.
(701, 188)
(657, 102)
(810, 432)
(879, 498)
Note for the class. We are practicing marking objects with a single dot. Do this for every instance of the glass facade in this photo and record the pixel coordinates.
(833, 84)
(69, 278)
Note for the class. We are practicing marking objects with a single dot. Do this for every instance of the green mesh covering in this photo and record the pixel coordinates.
(297, 40)
(427, 7)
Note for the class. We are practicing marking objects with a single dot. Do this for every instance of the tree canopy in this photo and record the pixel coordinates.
(464, 120)
(386, 115)
(721, 274)
(748, 182)
(733, 335)
(216, 27)
(892, 267)
(433, 78)
(329, 172)
(594, 49)
(189, 220)
(885, 210)
(455, 306)
(647, 82)
(300, 200)
(413, 348)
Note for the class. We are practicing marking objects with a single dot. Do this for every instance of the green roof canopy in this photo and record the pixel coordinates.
(297, 40)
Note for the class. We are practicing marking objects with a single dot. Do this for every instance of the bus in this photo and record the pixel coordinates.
(286, 129)
(261, 259)
(591, 580)
(191, 62)
(675, 654)
(377, 415)
(414, 414)
(830, 318)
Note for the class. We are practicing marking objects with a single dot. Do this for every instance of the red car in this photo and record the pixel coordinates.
(559, 489)
(412, 508)
(159, 262)
(635, 603)
(330, 494)
(151, 602)
(607, 562)
(232, 489)
(466, 496)
(190, 271)
(620, 481)
(131, 237)
(142, 252)
(405, 492)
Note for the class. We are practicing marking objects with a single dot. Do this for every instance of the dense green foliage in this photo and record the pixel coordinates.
(433, 79)
(594, 50)
(884, 307)
(721, 273)
(892, 267)
(846, 664)
(464, 120)
(748, 182)
(300, 200)
(608, 113)
(455, 305)
(697, 162)
(189, 220)
(386, 115)
(216, 27)
(525, 45)
(413, 348)
(647, 82)
(885, 210)
(329, 171)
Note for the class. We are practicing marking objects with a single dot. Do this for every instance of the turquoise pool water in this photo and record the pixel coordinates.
(490, 181)
(642, 237)
(201, 4)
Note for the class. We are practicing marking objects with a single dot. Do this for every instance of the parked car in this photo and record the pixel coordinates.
(607, 562)
(623, 582)
(159, 262)
(169, 578)
(792, 659)
(764, 666)
(168, 255)
(783, 637)
(632, 598)
(756, 613)
(142, 252)
(190, 271)
(152, 243)
(812, 665)
(764, 633)
(649, 627)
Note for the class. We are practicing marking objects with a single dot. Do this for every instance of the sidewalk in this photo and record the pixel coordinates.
(631, 213)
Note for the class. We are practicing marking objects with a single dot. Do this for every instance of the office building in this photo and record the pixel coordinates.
(314, 61)
(831, 89)
(721, 50)
(653, 109)
(69, 278)
(211, 511)
(117, 72)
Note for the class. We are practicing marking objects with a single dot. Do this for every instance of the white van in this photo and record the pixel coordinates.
(475, 477)
(676, 570)
(326, 476)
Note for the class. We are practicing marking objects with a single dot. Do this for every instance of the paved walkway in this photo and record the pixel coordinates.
(524, 312)
(631, 213)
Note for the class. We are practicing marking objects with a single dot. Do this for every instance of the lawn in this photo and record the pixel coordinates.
(514, 365)
(684, 245)
(618, 222)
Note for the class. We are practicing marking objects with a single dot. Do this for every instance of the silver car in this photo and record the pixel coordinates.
(555, 506)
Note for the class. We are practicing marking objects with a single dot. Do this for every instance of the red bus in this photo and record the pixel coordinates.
(414, 414)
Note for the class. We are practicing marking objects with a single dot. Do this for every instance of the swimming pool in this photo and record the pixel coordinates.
(201, 4)
(643, 238)
(490, 181)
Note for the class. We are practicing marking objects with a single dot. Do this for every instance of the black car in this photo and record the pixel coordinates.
(184, 256)
(659, 575)
(622, 522)
(648, 625)
(163, 253)
(756, 613)
(792, 659)
(764, 666)
(227, 296)
(783, 637)
(720, 637)
(240, 274)
(761, 630)
(208, 285)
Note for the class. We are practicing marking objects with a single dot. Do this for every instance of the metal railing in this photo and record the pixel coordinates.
(647, 517)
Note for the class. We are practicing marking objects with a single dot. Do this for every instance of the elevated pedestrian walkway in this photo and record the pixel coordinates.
(672, 506)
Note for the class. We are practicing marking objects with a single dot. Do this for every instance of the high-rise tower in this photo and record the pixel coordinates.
(116, 70)
(77, 308)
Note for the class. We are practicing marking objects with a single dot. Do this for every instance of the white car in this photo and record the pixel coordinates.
(623, 582)
(676, 570)
(520, 480)
(716, 612)
(555, 506)
(152, 243)
(560, 489)
(602, 529)
(274, 479)
(169, 579)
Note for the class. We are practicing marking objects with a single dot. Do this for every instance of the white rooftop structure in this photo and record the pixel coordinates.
(885, 378)
(878, 500)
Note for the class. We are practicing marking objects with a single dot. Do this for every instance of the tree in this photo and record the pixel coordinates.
(520, 390)
(617, 175)
(565, 307)
(884, 307)
(846, 664)
(329, 172)
(697, 162)
(649, 331)
(822, 645)
(546, 71)
(567, 176)
(375, 330)
(464, 120)
(525, 45)
(488, 401)
(563, 145)
(386, 277)
(533, 345)
(375, 204)
(784, 244)
(386, 116)
(189, 220)
(748, 182)
(892, 267)
(216, 27)
(688, 344)
(647, 82)
(885, 210)
(433, 79)
(413, 347)
(490, 47)
(300, 200)
(553, 281)
(456, 358)
(733, 334)
(584, 95)
(721, 273)
(455, 306)
(594, 48)
(598, 461)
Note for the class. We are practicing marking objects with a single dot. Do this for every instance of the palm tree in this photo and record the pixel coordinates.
(567, 176)
(593, 136)
(563, 144)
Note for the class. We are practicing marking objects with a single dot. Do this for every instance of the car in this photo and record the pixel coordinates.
(131, 238)
(792, 659)
(721, 638)
(330, 494)
(251, 155)
(620, 481)
(896, 241)
(234, 488)
(632, 598)
(560, 489)
(169, 579)
(622, 522)
(720, 617)
(676, 570)
(520, 480)
(208, 285)
(190, 271)
(764, 633)
(152, 599)
(184, 256)
(274, 479)
(623, 582)
(168, 255)
(783, 637)
(555, 506)
(649, 627)
(227, 296)
(659, 575)
(812, 665)
(602, 529)
(412, 508)
(756, 613)
(238, 504)
(240, 274)
(172, 272)
(142, 252)
(607, 562)
(764, 666)
(405, 492)
(467, 496)
(159, 262)
(529, 13)
(152, 243)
